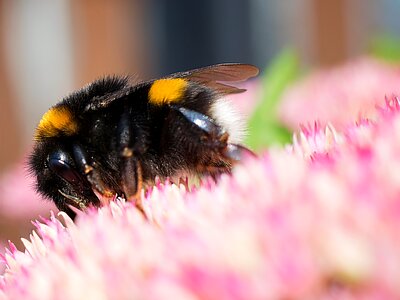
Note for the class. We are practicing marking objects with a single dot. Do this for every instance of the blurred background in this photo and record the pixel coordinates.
(49, 48)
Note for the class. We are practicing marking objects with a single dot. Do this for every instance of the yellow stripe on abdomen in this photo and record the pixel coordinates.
(56, 120)
(165, 91)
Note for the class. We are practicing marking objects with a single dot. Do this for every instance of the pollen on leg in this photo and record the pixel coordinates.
(56, 120)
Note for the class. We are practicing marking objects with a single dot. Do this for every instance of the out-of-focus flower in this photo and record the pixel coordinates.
(281, 227)
(245, 102)
(18, 198)
(19, 203)
(340, 95)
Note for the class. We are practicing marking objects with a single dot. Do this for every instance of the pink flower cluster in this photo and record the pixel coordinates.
(318, 220)
(17, 187)
(340, 95)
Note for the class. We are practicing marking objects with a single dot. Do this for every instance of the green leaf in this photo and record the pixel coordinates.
(386, 48)
(264, 128)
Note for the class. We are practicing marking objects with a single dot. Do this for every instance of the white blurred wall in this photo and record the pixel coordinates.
(39, 56)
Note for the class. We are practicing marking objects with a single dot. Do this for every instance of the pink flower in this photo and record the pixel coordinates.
(318, 220)
(19, 203)
(341, 95)
(18, 198)
(245, 102)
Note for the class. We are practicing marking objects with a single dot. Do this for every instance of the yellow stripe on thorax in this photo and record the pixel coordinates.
(56, 120)
(169, 90)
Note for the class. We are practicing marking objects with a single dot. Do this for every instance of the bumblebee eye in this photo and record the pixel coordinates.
(57, 163)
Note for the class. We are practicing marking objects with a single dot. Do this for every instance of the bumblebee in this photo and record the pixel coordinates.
(112, 137)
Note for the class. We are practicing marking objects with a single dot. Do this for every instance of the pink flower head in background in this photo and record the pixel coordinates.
(19, 203)
(318, 220)
(340, 95)
(18, 198)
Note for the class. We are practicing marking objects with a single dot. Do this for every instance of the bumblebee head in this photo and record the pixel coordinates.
(58, 177)
(63, 170)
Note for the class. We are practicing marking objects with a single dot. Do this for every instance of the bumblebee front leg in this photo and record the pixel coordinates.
(92, 173)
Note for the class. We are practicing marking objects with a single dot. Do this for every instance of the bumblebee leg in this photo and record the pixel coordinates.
(92, 175)
(132, 181)
(236, 153)
(131, 142)
(214, 142)
(205, 123)
(231, 154)
(215, 135)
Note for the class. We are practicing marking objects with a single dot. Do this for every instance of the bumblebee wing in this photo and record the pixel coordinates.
(214, 77)
(217, 76)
